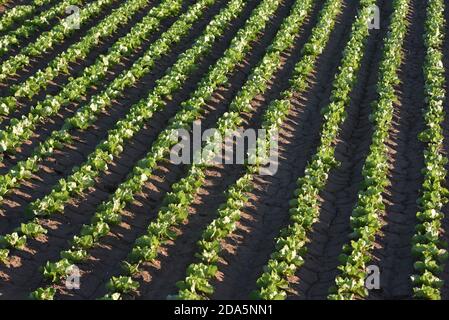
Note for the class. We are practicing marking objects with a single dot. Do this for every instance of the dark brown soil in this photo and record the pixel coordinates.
(248, 249)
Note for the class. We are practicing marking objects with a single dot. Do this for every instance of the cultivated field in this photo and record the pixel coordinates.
(351, 92)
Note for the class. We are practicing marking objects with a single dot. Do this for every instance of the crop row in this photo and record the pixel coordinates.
(365, 219)
(428, 247)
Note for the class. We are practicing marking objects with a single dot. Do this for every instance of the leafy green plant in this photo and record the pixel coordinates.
(13, 240)
(43, 294)
(55, 271)
(196, 284)
(76, 256)
(122, 285)
(4, 253)
(32, 229)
